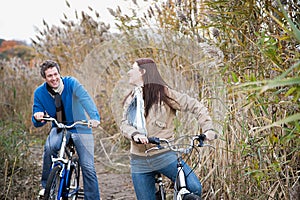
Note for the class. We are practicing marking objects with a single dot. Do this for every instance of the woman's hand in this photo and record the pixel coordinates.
(140, 139)
(211, 135)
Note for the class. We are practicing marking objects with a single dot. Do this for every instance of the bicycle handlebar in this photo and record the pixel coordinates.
(63, 126)
(200, 138)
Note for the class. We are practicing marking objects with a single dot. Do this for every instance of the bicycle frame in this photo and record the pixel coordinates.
(180, 183)
(180, 187)
(65, 164)
(62, 166)
(161, 190)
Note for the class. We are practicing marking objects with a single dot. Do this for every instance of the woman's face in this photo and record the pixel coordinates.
(136, 75)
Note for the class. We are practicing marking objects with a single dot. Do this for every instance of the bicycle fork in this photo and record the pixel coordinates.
(66, 168)
(180, 183)
(161, 193)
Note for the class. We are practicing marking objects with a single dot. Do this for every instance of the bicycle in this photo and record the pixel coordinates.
(64, 178)
(180, 190)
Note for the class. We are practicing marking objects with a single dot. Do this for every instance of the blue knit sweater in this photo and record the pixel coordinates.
(76, 101)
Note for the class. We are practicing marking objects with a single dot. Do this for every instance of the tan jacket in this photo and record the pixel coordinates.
(160, 121)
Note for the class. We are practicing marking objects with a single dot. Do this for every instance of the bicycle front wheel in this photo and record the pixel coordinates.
(73, 184)
(191, 197)
(52, 186)
(161, 193)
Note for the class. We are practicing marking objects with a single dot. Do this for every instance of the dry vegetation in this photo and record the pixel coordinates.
(241, 58)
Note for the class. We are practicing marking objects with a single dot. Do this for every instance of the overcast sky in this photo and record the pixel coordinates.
(19, 17)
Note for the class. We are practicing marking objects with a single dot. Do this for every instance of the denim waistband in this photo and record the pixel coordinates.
(144, 164)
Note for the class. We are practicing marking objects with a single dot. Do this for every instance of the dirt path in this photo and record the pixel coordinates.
(114, 185)
(112, 167)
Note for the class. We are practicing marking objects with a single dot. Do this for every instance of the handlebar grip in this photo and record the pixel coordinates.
(154, 140)
(201, 139)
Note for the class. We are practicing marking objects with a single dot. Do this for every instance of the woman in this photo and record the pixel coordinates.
(149, 111)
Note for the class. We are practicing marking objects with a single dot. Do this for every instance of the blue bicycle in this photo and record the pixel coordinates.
(63, 182)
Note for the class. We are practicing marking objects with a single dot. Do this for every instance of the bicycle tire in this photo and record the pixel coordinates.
(53, 182)
(191, 197)
(161, 193)
(74, 177)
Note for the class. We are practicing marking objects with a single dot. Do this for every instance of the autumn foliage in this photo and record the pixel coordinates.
(13, 48)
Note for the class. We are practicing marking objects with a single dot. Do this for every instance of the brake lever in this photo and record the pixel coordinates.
(154, 148)
(155, 140)
(208, 145)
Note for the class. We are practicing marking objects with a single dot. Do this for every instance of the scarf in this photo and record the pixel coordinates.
(136, 111)
(60, 88)
(56, 94)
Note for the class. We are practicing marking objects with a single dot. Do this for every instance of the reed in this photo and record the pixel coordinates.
(240, 58)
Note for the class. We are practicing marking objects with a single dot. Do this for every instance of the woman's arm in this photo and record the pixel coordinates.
(189, 104)
(126, 129)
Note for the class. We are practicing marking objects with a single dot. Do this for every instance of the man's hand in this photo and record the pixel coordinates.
(210, 135)
(93, 123)
(38, 116)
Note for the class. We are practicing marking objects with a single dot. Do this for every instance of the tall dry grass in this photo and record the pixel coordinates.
(18, 80)
(257, 153)
(221, 52)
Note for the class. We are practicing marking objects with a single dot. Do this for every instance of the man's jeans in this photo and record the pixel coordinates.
(84, 144)
(144, 183)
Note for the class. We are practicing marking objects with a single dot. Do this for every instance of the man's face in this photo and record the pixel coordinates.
(52, 77)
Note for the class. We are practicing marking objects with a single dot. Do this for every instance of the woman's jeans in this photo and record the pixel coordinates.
(144, 183)
(84, 144)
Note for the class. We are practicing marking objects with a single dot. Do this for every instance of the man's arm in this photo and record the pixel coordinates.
(37, 110)
(86, 101)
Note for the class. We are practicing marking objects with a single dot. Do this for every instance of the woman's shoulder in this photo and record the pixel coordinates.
(172, 93)
(173, 96)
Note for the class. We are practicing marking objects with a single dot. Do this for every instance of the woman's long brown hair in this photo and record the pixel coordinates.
(154, 90)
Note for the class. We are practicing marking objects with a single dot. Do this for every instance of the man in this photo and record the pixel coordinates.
(65, 99)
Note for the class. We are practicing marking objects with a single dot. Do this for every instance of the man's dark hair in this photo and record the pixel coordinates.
(46, 65)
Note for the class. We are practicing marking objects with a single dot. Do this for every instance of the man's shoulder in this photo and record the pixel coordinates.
(69, 79)
(40, 88)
